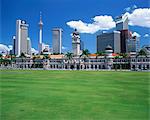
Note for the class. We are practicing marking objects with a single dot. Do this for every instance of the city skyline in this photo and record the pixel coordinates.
(68, 18)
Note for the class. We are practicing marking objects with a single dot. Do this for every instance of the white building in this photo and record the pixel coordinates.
(28, 46)
(76, 43)
(57, 40)
(21, 37)
(122, 22)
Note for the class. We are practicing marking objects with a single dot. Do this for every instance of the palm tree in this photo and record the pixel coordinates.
(124, 55)
(22, 57)
(85, 54)
(69, 55)
(99, 54)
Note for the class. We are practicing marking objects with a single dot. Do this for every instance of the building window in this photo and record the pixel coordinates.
(139, 66)
(95, 66)
(147, 66)
(99, 66)
(92, 66)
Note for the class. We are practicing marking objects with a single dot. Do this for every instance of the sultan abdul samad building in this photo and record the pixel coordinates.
(110, 44)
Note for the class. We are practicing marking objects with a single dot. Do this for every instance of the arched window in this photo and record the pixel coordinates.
(99, 66)
(92, 66)
(103, 66)
(95, 66)
(147, 66)
(139, 66)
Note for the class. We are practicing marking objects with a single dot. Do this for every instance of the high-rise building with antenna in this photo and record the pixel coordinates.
(40, 34)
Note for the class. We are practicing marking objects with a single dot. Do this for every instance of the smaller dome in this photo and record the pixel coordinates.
(3, 49)
(108, 47)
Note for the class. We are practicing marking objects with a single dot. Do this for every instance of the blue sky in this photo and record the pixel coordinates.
(56, 13)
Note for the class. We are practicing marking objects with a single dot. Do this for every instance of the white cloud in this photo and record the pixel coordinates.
(140, 17)
(99, 23)
(136, 34)
(146, 35)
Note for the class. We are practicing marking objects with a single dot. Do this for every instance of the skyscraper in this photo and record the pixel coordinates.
(28, 46)
(122, 26)
(57, 40)
(40, 34)
(122, 22)
(133, 43)
(14, 43)
(76, 42)
(81, 45)
(112, 39)
(21, 37)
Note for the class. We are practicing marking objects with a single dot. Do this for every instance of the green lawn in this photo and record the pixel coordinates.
(73, 95)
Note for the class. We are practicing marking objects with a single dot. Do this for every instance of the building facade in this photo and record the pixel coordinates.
(14, 45)
(134, 63)
(122, 26)
(28, 46)
(81, 45)
(76, 43)
(57, 40)
(133, 44)
(112, 39)
(21, 37)
(122, 22)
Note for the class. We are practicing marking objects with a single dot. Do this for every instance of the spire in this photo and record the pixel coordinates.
(40, 16)
(40, 23)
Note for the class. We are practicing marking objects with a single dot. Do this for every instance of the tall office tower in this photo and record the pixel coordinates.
(81, 45)
(57, 40)
(40, 34)
(122, 26)
(14, 43)
(124, 36)
(28, 46)
(112, 39)
(21, 37)
(76, 42)
(122, 22)
(133, 43)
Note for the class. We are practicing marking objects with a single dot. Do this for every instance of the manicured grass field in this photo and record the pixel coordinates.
(74, 95)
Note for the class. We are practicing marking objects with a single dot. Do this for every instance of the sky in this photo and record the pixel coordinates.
(90, 17)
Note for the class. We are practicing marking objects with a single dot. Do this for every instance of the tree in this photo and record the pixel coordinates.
(69, 55)
(85, 52)
(99, 54)
(124, 55)
(142, 53)
(22, 55)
